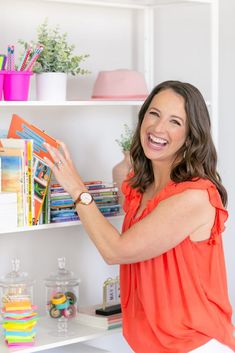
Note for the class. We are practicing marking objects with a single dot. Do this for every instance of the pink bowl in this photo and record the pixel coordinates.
(120, 84)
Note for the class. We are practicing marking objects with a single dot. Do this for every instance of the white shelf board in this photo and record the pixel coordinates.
(46, 337)
(87, 103)
(52, 226)
(132, 4)
(80, 348)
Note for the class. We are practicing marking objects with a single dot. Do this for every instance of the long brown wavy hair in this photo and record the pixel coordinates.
(197, 158)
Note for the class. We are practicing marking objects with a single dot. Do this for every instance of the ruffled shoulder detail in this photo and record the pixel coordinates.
(130, 194)
(221, 213)
(204, 184)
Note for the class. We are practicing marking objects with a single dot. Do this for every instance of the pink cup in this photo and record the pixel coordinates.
(1, 83)
(16, 85)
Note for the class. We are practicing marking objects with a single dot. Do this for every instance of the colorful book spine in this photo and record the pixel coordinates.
(30, 182)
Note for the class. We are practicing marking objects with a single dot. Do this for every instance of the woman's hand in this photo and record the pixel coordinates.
(64, 170)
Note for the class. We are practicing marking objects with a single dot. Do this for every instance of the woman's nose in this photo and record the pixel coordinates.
(160, 125)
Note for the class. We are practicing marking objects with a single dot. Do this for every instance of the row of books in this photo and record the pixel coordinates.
(24, 172)
(59, 206)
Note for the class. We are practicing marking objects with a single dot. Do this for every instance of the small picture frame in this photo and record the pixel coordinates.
(111, 297)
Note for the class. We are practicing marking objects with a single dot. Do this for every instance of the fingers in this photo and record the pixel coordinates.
(65, 150)
(50, 164)
(55, 154)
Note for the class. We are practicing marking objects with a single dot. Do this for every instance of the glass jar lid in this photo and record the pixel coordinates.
(62, 277)
(15, 277)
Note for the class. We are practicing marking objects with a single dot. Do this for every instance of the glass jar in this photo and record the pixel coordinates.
(62, 294)
(16, 286)
(19, 317)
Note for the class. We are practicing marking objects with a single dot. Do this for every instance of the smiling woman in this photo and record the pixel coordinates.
(173, 275)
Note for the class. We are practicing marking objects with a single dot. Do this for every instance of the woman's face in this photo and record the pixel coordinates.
(164, 127)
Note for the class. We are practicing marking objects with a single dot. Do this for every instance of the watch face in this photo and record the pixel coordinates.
(86, 198)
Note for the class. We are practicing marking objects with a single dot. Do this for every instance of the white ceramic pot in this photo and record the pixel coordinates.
(51, 86)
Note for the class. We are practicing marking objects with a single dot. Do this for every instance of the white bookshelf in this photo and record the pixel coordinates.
(46, 341)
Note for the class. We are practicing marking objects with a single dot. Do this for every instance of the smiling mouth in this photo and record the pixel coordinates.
(157, 141)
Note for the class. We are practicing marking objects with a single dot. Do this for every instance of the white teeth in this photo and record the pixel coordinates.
(157, 139)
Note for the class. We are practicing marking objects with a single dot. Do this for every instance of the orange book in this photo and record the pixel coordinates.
(21, 129)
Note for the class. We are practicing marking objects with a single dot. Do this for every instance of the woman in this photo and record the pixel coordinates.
(173, 279)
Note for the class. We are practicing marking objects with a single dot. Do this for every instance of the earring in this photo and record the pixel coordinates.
(184, 154)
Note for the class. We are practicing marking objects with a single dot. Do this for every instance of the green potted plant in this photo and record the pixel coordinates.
(57, 60)
(125, 139)
(121, 169)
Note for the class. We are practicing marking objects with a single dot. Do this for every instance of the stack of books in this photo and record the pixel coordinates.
(19, 321)
(87, 316)
(62, 206)
(105, 196)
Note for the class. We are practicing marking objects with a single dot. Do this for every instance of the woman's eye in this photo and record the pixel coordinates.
(174, 121)
(154, 113)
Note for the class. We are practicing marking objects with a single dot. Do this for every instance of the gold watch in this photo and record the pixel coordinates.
(85, 198)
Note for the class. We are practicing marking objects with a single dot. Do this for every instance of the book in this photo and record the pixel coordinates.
(12, 178)
(26, 149)
(30, 182)
(87, 316)
(21, 129)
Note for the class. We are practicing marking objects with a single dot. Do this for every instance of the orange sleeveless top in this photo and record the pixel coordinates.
(177, 301)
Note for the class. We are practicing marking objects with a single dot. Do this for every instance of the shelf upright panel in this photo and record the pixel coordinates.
(149, 46)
